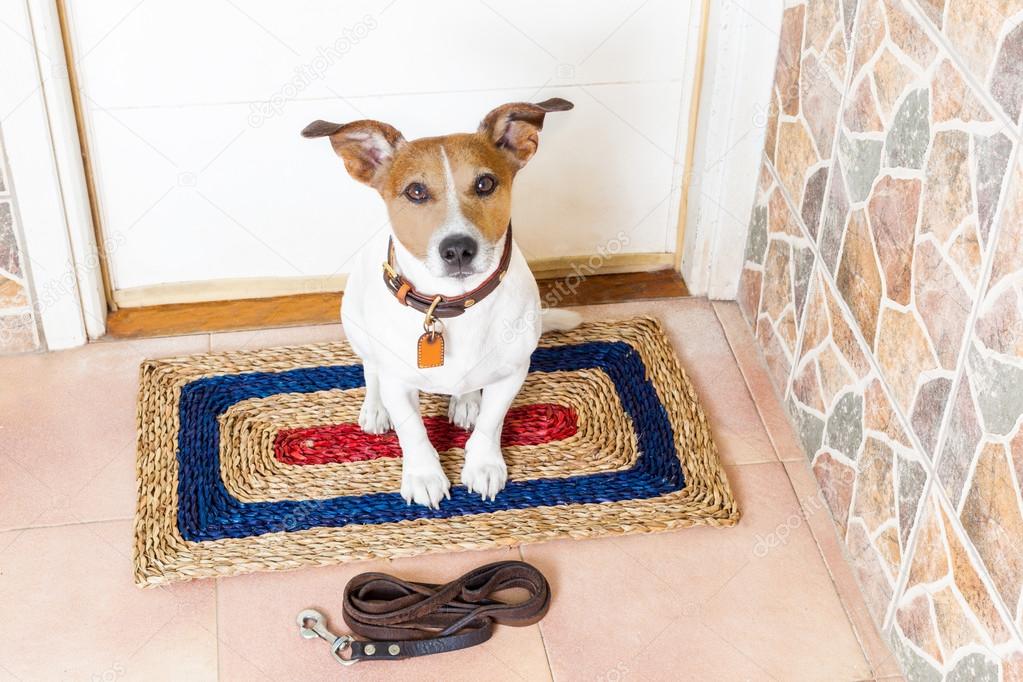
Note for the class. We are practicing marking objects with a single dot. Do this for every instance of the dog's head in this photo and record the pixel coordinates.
(449, 198)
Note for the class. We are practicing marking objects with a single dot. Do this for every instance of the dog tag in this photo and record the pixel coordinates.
(431, 350)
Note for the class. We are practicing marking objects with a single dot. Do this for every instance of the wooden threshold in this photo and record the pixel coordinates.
(323, 308)
(634, 286)
(233, 289)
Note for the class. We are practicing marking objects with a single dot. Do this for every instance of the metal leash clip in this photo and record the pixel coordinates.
(312, 624)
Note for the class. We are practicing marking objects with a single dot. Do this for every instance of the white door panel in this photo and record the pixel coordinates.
(162, 53)
(199, 179)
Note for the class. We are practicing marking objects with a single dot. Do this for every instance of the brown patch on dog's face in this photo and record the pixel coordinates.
(473, 162)
(449, 198)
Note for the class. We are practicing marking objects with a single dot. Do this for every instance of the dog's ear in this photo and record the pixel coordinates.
(515, 128)
(367, 147)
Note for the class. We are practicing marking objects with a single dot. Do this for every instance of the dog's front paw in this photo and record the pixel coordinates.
(426, 485)
(463, 410)
(485, 474)
(373, 417)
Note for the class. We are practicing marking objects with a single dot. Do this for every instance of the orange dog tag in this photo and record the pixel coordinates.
(431, 350)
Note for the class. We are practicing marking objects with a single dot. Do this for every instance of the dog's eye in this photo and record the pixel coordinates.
(485, 184)
(416, 193)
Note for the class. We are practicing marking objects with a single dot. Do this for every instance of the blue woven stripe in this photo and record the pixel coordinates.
(206, 511)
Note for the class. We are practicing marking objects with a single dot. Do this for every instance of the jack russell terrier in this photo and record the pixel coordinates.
(454, 309)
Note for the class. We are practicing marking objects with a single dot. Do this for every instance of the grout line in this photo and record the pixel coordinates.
(843, 101)
(746, 382)
(18, 310)
(47, 526)
(909, 553)
(936, 35)
(539, 626)
(4, 272)
(831, 573)
(960, 375)
(983, 283)
(801, 330)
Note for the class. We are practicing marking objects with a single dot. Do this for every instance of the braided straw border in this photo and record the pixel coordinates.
(251, 473)
(162, 555)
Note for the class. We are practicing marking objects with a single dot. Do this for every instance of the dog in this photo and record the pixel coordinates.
(454, 309)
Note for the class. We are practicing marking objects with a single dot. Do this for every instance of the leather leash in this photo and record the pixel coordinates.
(404, 619)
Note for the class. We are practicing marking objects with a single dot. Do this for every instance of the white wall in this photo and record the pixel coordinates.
(199, 178)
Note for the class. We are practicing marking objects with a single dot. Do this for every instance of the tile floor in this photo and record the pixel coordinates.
(771, 598)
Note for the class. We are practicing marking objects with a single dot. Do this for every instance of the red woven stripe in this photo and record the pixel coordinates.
(526, 425)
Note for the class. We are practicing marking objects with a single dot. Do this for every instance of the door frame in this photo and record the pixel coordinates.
(728, 143)
(726, 44)
(47, 176)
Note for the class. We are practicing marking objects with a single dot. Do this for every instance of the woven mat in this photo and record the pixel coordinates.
(254, 460)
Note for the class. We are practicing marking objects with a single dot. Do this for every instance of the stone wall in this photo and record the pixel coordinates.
(884, 282)
(18, 329)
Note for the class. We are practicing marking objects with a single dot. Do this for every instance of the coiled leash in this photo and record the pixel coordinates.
(403, 619)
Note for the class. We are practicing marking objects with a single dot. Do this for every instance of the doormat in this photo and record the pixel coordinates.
(254, 460)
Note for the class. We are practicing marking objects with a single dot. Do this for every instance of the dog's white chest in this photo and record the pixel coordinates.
(489, 341)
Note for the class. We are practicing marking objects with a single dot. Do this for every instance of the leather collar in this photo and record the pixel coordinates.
(446, 306)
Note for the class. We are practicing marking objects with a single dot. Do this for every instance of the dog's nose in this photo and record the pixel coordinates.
(458, 250)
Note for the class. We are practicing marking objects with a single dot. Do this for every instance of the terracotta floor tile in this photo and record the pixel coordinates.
(707, 358)
(751, 364)
(267, 338)
(699, 603)
(260, 639)
(822, 526)
(702, 603)
(70, 611)
(67, 431)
